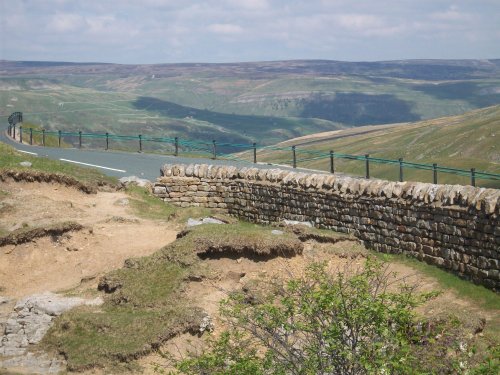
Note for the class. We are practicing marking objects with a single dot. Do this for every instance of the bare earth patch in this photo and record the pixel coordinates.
(110, 235)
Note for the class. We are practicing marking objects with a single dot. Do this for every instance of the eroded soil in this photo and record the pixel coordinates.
(112, 233)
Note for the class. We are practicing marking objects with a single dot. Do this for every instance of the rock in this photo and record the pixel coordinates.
(295, 222)
(25, 164)
(206, 324)
(4, 300)
(31, 319)
(277, 232)
(207, 220)
(142, 182)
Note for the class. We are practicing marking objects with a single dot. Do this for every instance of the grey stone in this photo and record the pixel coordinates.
(25, 164)
(142, 182)
(207, 220)
(277, 232)
(296, 222)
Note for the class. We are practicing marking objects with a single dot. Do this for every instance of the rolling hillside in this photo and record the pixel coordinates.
(265, 102)
(464, 141)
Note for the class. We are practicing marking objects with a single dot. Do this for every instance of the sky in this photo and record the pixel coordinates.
(172, 31)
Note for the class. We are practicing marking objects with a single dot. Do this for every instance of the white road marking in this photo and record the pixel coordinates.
(93, 165)
(27, 152)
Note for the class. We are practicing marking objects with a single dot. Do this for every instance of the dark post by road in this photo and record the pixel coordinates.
(59, 138)
(14, 132)
(176, 142)
(332, 166)
(400, 169)
(214, 149)
(31, 136)
(107, 140)
(254, 152)
(367, 165)
(79, 139)
(473, 176)
(294, 154)
(435, 173)
(43, 137)
(9, 130)
(140, 143)
(20, 134)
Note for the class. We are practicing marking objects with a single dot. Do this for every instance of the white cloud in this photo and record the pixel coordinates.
(225, 28)
(65, 22)
(250, 4)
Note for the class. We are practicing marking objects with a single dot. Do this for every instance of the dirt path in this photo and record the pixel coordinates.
(112, 234)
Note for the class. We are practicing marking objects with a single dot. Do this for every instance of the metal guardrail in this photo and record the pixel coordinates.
(215, 150)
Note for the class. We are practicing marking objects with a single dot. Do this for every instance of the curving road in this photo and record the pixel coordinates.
(121, 164)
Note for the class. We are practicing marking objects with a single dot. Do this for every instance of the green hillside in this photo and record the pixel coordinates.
(263, 102)
(471, 140)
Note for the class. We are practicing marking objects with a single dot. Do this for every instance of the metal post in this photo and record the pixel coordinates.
(43, 137)
(176, 146)
(31, 136)
(367, 164)
(214, 149)
(294, 157)
(473, 176)
(400, 169)
(107, 140)
(140, 143)
(59, 138)
(332, 166)
(255, 152)
(435, 173)
(79, 139)
(20, 134)
(14, 132)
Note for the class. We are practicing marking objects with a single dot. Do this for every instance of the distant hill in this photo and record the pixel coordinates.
(471, 140)
(265, 102)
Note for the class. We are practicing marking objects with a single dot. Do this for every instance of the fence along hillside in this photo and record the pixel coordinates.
(291, 156)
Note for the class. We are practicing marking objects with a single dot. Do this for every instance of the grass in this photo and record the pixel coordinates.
(147, 206)
(10, 159)
(477, 294)
(465, 141)
(143, 306)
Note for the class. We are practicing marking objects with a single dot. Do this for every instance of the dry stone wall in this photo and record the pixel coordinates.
(452, 226)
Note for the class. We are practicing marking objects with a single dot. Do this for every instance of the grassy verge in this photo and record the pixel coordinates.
(10, 159)
(147, 206)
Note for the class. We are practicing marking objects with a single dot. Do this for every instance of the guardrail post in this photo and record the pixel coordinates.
(473, 176)
(107, 140)
(176, 143)
(79, 139)
(140, 142)
(20, 134)
(14, 132)
(367, 166)
(294, 157)
(31, 136)
(400, 169)
(59, 138)
(332, 166)
(254, 152)
(214, 149)
(435, 173)
(43, 137)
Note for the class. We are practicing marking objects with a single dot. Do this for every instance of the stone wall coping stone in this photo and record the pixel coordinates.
(481, 199)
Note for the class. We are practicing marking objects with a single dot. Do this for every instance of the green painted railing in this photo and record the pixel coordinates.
(228, 151)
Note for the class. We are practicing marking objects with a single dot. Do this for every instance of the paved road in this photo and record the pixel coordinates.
(118, 163)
